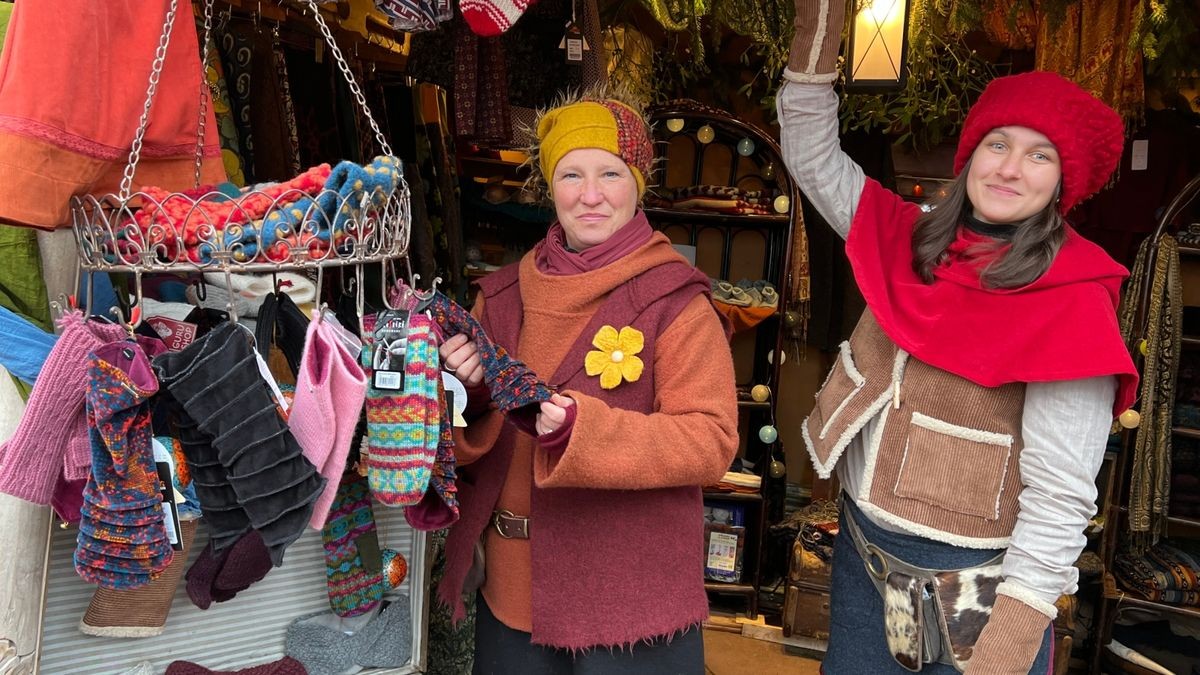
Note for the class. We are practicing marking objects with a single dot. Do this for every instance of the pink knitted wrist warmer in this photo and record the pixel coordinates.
(330, 391)
(52, 435)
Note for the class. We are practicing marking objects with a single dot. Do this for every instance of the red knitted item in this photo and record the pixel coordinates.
(285, 666)
(1088, 134)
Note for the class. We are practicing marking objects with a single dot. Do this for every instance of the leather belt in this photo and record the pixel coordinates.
(509, 525)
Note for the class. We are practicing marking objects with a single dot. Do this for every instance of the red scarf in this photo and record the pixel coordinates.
(1061, 327)
(552, 256)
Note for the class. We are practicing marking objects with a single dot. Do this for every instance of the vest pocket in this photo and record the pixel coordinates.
(842, 383)
(955, 468)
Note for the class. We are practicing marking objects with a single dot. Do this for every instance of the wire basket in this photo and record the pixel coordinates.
(257, 230)
(348, 215)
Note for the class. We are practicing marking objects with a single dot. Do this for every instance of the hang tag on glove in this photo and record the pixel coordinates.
(387, 357)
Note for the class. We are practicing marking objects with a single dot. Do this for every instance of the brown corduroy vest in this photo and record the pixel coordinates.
(945, 463)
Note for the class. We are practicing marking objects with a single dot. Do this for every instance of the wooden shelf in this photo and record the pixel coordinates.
(1186, 432)
(733, 496)
(1111, 592)
(723, 587)
(699, 216)
(751, 403)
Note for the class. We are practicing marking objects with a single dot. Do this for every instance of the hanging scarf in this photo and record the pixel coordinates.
(1091, 46)
(1150, 479)
(553, 257)
(1062, 326)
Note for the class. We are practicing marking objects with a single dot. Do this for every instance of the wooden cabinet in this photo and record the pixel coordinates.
(720, 186)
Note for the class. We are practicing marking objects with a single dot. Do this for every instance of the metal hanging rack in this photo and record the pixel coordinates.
(139, 231)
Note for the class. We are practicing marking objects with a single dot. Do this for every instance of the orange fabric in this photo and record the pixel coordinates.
(67, 122)
(744, 318)
(689, 442)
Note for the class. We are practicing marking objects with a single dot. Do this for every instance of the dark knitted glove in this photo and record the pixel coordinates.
(815, 44)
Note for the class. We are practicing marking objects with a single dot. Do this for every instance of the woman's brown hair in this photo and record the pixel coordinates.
(1033, 246)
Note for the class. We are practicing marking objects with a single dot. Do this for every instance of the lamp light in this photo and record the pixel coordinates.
(878, 47)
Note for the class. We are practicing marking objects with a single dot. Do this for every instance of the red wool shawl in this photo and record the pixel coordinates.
(1063, 326)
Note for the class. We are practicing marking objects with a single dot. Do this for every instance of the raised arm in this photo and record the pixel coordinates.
(807, 108)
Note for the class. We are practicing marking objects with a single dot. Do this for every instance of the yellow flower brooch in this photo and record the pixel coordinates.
(615, 359)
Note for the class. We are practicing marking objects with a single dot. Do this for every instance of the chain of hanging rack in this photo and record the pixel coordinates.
(310, 223)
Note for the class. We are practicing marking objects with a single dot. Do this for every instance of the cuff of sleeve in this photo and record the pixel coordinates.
(1028, 596)
(808, 78)
(1010, 641)
(479, 401)
(556, 441)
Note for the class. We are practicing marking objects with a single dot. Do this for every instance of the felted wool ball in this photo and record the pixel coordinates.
(1130, 419)
(395, 568)
(768, 434)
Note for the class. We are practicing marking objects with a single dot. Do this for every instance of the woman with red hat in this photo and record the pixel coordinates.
(967, 415)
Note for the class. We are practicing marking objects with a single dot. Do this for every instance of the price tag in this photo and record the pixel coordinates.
(387, 359)
(573, 43)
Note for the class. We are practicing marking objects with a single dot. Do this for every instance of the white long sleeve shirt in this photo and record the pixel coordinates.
(1064, 424)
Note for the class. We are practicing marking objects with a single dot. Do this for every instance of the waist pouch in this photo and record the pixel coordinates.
(929, 615)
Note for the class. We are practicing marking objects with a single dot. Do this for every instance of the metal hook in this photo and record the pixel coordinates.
(229, 303)
(360, 301)
(320, 281)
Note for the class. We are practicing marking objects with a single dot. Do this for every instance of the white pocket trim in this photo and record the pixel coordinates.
(966, 433)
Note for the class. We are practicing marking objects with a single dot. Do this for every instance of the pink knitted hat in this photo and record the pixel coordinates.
(330, 390)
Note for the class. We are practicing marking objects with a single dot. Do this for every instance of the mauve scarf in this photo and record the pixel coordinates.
(553, 258)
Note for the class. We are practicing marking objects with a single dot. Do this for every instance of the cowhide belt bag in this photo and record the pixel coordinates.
(929, 615)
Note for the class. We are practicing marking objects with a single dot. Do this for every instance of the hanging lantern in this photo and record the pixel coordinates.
(878, 47)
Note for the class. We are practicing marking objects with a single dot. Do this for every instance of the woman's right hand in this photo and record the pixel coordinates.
(460, 357)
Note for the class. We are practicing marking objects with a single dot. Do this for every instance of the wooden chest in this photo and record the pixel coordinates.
(806, 611)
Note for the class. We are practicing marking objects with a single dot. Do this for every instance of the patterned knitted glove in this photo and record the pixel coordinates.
(815, 44)
(1011, 640)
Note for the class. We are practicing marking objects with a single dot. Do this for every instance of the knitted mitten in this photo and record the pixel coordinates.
(813, 57)
(124, 482)
(52, 435)
(439, 507)
(217, 382)
(220, 575)
(353, 562)
(330, 391)
(400, 451)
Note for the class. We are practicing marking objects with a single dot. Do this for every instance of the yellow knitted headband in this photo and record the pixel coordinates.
(605, 124)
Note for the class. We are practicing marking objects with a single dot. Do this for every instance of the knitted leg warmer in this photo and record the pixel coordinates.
(217, 382)
(123, 486)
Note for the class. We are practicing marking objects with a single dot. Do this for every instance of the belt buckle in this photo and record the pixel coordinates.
(505, 513)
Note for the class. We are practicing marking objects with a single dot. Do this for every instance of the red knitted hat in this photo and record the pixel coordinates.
(1089, 135)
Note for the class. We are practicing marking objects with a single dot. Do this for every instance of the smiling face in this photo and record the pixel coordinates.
(1014, 174)
(595, 194)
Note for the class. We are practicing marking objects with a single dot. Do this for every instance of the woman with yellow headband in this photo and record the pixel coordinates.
(588, 537)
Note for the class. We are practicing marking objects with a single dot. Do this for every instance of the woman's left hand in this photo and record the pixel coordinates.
(553, 414)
